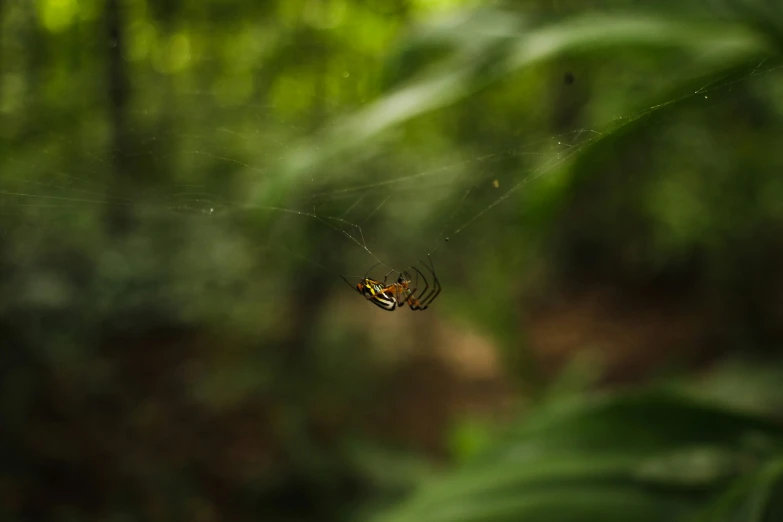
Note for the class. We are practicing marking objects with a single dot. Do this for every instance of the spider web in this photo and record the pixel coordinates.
(399, 203)
(344, 213)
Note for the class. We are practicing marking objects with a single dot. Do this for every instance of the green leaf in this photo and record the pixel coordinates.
(561, 503)
(492, 44)
(755, 497)
(645, 420)
(641, 456)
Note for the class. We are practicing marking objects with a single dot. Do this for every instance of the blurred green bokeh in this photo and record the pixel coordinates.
(597, 184)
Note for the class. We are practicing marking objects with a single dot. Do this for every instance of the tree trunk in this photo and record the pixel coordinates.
(118, 216)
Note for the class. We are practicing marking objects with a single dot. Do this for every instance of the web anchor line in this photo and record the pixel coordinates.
(351, 204)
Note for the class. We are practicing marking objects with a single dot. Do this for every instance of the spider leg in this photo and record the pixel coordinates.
(349, 284)
(425, 299)
(415, 302)
(363, 278)
(386, 276)
(407, 297)
(400, 288)
(399, 294)
(435, 284)
(371, 269)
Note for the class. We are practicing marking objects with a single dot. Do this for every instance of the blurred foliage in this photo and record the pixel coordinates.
(644, 456)
(182, 182)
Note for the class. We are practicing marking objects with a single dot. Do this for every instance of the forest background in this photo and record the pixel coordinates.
(597, 185)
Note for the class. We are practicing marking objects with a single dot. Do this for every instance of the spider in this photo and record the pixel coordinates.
(391, 296)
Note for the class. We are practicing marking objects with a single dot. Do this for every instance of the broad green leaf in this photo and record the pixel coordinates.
(560, 503)
(499, 46)
(754, 497)
(648, 454)
(647, 421)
